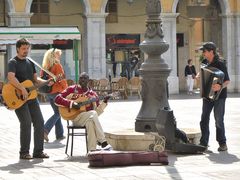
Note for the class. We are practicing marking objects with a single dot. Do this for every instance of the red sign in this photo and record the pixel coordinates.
(122, 41)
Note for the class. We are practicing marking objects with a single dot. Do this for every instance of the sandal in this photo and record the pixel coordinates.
(25, 156)
(45, 137)
(41, 155)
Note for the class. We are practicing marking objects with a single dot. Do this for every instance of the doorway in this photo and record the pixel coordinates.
(198, 22)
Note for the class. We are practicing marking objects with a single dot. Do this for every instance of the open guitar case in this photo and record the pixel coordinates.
(175, 139)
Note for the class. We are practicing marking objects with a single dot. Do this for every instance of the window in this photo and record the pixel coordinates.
(111, 8)
(40, 8)
(2, 13)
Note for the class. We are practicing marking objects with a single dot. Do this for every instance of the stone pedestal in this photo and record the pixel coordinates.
(130, 140)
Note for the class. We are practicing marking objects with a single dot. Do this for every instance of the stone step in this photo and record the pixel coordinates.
(130, 140)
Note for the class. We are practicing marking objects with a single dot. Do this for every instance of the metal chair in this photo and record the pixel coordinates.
(70, 129)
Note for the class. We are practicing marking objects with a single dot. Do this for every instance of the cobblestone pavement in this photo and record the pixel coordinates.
(121, 115)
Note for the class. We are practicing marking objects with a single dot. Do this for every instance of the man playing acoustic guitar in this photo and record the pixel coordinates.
(21, 69)
(74, 99)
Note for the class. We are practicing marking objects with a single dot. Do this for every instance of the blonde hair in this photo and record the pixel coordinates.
(50, 59)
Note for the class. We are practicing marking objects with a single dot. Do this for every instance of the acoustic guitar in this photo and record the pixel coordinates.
(13, 98)
(71, 113)
(84, 102)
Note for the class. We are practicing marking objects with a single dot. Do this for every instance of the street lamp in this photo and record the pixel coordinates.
(155, 114)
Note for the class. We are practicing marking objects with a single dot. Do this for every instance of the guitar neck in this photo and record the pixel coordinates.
(90, 101)
(38, 86)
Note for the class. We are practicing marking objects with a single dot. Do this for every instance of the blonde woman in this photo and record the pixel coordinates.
(51, 62)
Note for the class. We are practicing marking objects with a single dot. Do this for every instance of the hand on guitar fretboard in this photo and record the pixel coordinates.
(57, 78)
(85, 101)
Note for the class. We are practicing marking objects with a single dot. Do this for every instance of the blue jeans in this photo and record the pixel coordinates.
(219, 111)
(55, 119)
(27, 114)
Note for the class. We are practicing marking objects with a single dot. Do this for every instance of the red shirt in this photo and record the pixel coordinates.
(60, 85)
(75, 91)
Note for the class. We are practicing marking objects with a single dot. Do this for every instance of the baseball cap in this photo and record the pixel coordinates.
(208, 46)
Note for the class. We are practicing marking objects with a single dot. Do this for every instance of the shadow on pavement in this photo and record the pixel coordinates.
(171, 169)
(53, 145)
(223, 158)
(80, 159)
(17, 168)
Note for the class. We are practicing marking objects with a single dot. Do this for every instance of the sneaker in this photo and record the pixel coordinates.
(223, 147)
(41, 155)
(107, 148)
(46, 137)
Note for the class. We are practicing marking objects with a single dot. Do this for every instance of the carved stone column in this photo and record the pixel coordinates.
(154, 71)
(19, 19)
(95, 48)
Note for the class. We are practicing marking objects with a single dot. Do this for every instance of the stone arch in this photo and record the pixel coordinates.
(28, 6)
(87, 8)
(104, 5)
(10, 6)
(223, 3)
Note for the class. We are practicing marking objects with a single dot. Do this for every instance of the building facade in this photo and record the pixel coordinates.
(186, 25)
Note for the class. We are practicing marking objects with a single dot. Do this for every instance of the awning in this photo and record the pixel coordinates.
(38, 35)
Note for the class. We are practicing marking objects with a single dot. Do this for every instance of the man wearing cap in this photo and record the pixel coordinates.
(213, 60)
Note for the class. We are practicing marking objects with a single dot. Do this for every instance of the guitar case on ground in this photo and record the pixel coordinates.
(126, 158)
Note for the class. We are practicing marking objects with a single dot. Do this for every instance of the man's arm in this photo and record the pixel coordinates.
(64, 98)
(102, 105)
(13, 80)
(38, 81)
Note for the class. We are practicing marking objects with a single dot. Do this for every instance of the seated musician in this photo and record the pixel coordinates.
(89, 118)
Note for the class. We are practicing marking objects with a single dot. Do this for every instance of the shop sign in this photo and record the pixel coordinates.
(122, 41)
(63, 44)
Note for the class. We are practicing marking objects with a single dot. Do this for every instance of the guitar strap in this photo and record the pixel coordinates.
(48, 72)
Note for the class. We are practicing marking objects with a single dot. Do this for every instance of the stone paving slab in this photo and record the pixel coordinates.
(121, 115)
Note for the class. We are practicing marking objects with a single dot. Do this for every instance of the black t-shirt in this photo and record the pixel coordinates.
(23, 69)
(217, 63)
